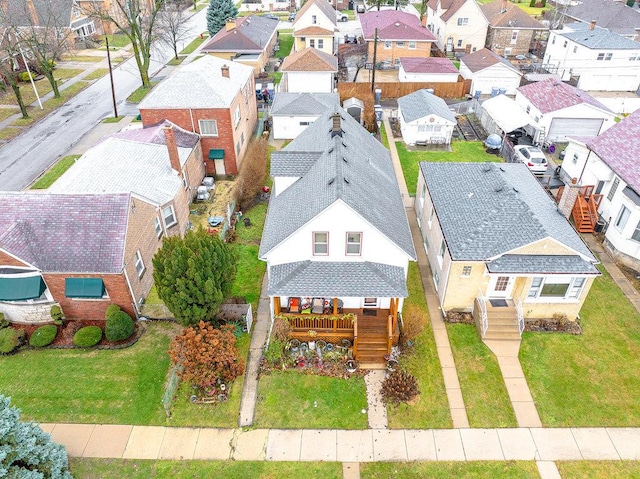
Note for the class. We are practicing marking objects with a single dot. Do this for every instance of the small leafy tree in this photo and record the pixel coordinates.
(218, 12)
(26, 450)
(193, 275)
(207, 354)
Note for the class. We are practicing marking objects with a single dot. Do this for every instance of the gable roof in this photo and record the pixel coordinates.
(618, 147)
(250, 35)
(65, 233)
(616, 16)
(504, 14)
(199, 84)
(552, 95)
(394, 25)
(313, 30)
(598, 38)
(155, 134)
(428, 65)
(310, 60)
(453, 9)
(444, 4)
(285, 103)
(421, 103)
(485, 58)
(352, 167)
(43, 13)
(324, 6)
(516, 210)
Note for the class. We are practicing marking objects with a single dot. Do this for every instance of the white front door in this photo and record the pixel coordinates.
(500, 287)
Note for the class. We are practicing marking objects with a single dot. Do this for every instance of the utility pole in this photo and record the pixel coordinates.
(113, 90)
(375, 52)
(33, 85)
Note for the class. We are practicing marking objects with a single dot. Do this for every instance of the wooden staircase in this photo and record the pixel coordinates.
(585, 209)
(503, 323)
(373, 342)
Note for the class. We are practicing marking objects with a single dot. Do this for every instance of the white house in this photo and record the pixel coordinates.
(489, 73)
(425, 119)
(336, 237)
(500, 115)
(563, 110)
(430, 69)
(314, 26)
(600, 59)
(267, 5)
(292, 113)
(614, 16)
(309, 70)
(459, 25)
(609, 164)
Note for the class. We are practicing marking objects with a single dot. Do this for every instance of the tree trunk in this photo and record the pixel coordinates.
(175, 49)
(53, 82)
(18, 93)
(143, 65)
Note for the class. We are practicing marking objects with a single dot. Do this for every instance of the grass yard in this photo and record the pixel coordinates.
(471, 151)
(383, 136)
(117, 40)
(483, 389)
(195, 43)
(446, 470)
(55, 172)
(82, 58)
(156, 469)
(120, 386)
(94, 75)
(7, 112)
(592, 379)
(113, 119)
(9, 132)
(432, 407)
(138, 95)
(43, 86)
(598, 469)
(286, 43)
(289, 399)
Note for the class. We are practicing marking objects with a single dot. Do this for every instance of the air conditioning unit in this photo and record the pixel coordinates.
(203, 193)
(208, 182)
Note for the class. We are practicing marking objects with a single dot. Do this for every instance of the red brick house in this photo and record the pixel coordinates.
(214, 98)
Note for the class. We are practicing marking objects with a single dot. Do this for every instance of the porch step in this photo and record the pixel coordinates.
(372, 365)
(502, 335)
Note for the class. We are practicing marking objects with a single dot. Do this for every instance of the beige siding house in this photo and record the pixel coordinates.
(459, 25)
(314, 26)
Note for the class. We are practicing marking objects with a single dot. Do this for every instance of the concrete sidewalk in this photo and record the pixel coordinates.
(348, 446)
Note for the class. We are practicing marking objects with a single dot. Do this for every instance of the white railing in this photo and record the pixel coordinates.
(520, 314)
(482, 301)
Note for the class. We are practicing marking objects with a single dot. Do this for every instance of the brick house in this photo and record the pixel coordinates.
(511, 30)
(213, 98)
(400, 35)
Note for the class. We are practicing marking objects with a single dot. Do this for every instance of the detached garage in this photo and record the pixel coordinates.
(292, 113)
(489, 73)
(563, 127)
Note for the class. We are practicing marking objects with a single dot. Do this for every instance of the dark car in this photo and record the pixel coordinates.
(350, 38)
(271, 15)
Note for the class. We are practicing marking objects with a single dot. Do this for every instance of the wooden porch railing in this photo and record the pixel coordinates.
(321, 323)
(390, 329)
(355, 338)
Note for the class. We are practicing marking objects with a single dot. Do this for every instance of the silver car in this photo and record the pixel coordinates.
(533, 157)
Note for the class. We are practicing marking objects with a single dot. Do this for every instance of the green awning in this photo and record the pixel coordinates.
(215, 154)
(20, 288)
(83, 288)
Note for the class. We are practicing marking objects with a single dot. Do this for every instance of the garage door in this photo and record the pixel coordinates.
(563, 127)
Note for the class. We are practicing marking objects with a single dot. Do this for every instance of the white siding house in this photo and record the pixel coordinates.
(425, 119)
(489, 73)
(309, 70)
(292, 113)
(314, 26)
(459, 25)
(430, 69)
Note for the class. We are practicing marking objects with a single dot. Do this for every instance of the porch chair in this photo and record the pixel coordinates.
(294, 305)
(317, 306)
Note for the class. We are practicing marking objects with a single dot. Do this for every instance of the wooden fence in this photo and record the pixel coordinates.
(398, 89)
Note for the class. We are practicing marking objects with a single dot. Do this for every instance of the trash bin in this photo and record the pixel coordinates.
(600, 224)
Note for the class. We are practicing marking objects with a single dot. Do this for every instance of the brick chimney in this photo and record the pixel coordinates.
(423, 20)
(172, 147)
(336, 129)
(225, 70)
(592, 25)
(504, 6)
(230, 24)
(568, 198)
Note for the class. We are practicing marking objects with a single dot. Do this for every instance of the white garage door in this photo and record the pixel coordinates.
(563, 127)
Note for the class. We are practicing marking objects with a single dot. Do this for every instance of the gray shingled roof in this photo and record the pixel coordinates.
(292, 163)
(598, 38)
(487, 210)
(65, 233)
(421, 103)
(251, 34)
(616, 16)
(541, 264)
(288, 104)
(354, 168)
(333, 279)
(47, 12)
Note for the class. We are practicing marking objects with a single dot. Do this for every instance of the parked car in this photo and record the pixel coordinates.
(533, 157)
(350, 38)
(341, 17)
(271, 15)
(292, 16)
(360, 8)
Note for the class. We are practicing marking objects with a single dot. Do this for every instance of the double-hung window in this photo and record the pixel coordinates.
(139, 264)
(466, 271)
(354, 244)
(412, 45)
(169, 216)
(463, 21)
(312, 43)
(387, 45)
(320, 43)
(158, 226)
(636, 233)
(236, 116)
(623, 217)
(208, 127)
(441, 253)
(320, 243)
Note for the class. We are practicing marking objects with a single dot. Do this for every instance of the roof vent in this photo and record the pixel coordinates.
(330, 150)
(498, 189)
(346, 180)
(331, 181)
(502, 168)
(516, 189)
(344, 158)
(397, 24)
(486, 167)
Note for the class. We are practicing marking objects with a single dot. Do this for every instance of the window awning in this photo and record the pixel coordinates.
(216, 154)
(83, 287)
(20, 288)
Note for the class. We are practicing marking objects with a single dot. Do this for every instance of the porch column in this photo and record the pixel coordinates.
(276, 304)
(335, 306)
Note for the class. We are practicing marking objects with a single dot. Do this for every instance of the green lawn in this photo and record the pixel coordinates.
(289, 399)
(7, 112)
(82, 58)
(471, 151)
(432, 407)
(195, 43)
(55, 172)
(119, 40)
(592, 379)
(142, 91)
(447, 470)
(94, 75)
(599, 469)
(286, 43)
(150, 469)
(113, 119)
(383, 136)
(483, 389)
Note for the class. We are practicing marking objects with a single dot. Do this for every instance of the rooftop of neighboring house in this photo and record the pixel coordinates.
(108, 167)
(453, 9)
(615, 16)
(344, 163)
(313, 30)
(39, 12)
(200, 84)
(394, 25)
(325, 7)
(155, 134)
(596, 38)
(552, 95)
(65, 233)
(504, 14)
(288, 104)
(618, 147)
(485, 58)
(515, 212)
(244, 35)
(444, 4)
(428, 65)
(422, 103)
(310, 60)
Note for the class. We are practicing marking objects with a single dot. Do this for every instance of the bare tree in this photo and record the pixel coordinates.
(172, 27)
(137, 20)
(8, 75)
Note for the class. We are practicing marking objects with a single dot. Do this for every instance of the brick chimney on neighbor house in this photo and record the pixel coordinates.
(592, 25)
(336, 128)
(172, 147)
(230, 24)
(568, 198)
(225, 70)
(423, 20)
